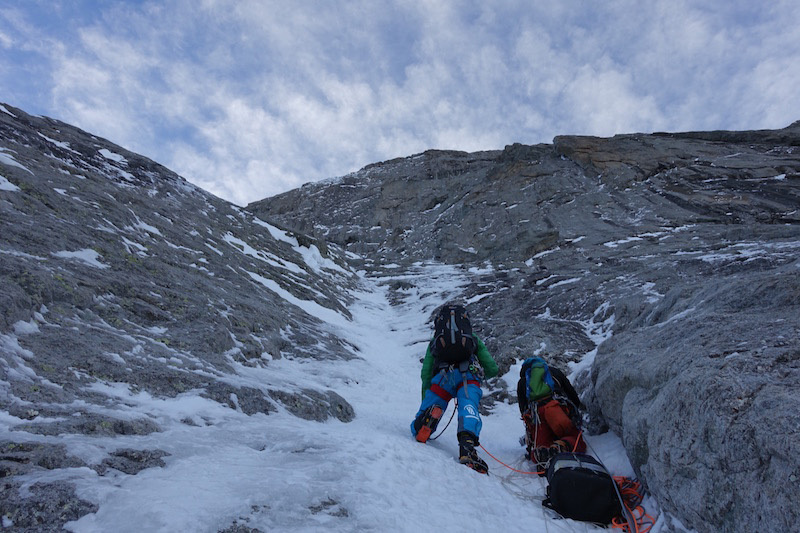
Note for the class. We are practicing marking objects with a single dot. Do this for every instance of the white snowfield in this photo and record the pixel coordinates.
(281, 473)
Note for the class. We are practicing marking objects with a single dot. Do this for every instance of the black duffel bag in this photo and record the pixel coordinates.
(579, 487)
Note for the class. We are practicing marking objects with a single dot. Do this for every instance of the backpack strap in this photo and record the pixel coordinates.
(565, 388)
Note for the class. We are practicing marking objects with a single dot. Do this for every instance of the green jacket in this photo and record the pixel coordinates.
(484, 358)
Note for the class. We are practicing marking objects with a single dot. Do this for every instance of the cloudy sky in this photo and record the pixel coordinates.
(250, 98)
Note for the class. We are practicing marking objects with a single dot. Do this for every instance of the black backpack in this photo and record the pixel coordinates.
(579, 487)
(453, 342)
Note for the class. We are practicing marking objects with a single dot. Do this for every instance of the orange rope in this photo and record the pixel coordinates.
(577, 441)
(643, 521)
(507, 466)
(580, 436)
(631, 490)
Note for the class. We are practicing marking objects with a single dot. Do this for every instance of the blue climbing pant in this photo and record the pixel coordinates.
(450, 384)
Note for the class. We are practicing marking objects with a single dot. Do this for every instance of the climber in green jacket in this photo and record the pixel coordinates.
(455, 363)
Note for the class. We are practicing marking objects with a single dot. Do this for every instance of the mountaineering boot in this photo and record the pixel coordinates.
(427, 422)
(542, 456)
(468, 455)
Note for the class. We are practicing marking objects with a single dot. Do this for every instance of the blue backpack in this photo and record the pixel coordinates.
(540, 383)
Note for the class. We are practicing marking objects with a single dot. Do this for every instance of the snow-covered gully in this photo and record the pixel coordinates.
(281, 473)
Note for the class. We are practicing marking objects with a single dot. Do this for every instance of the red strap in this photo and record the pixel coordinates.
(469, 382)
(440, 392)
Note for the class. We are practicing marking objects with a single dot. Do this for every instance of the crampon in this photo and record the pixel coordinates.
(429, 422)
(474, 462)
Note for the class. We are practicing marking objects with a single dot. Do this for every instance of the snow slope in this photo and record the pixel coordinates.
(281, 473)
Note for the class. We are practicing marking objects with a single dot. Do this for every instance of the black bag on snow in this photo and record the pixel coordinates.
(579, 487)
(453, 342)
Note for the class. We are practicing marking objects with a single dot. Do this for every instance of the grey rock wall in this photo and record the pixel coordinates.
(114, 270)
(679, 253)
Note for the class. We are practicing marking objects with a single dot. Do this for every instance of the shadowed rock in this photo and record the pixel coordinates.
(130, 461)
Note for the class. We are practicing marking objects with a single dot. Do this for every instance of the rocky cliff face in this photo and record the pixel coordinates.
(669, 261)
(115, 270)
(679, 252)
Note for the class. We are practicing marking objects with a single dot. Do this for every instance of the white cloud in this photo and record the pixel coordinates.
(248, 99)
(5, 40)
